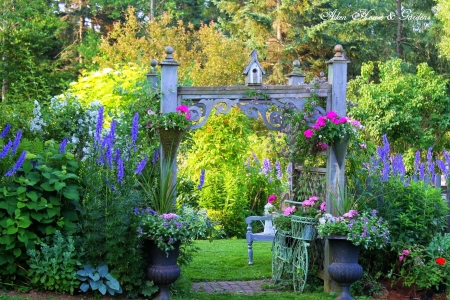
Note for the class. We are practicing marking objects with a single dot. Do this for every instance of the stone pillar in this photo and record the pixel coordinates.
(152, 77)
(296, 77)
(337, 77)
(169, 103)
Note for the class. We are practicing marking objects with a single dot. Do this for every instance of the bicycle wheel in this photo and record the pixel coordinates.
(300, 266)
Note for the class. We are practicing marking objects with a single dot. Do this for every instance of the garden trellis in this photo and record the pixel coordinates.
(258, 100)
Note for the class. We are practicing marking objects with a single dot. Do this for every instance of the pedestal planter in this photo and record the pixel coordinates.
(340, 149)
(344, 267)
(163, 269)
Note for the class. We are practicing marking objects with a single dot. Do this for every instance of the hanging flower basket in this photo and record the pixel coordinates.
(170, 140)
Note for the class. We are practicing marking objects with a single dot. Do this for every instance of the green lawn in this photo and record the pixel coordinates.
(228, 260)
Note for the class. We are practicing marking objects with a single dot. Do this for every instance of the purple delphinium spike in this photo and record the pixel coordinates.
(398, 167)
(62, 146)
(421, 171)
(5, 131)
(5, 150)
(141, 166)
(266, 168)
(16, 142)
(430, 163)
(417, 162)
(98, 130)
(155, 156)
(17, 165)
(134, 129)
(202, 179)
(386, 169)
(120, 170)
(247, 163)
(441, 165)
(278, 167)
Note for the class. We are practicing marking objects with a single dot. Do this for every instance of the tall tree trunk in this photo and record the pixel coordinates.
(399, 49)
(152, 13)
(279, 35)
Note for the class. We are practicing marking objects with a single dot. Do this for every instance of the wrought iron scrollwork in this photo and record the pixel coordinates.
(270, 111)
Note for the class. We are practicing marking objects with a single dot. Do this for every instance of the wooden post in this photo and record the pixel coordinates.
(169, 103)
(337, 77)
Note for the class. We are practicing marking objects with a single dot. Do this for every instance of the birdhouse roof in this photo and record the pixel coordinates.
(254, 59)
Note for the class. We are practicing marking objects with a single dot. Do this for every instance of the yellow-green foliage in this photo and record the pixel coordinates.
(206, 56)
(109, 86)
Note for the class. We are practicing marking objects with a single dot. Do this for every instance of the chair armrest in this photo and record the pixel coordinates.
(250, 219)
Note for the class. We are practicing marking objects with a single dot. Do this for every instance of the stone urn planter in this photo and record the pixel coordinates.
(344, 267)
(163, 269)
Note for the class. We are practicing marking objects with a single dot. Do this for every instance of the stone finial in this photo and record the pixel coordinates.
(296, 77)
(339, 56)
(169, 60)
(153, 64)
(296, 65)
(338, 50)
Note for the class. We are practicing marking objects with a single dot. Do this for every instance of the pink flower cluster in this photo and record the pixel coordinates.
(169, 216)
(272, 199)
(351, 213)
(310, 202)
(322, 121)
(289, 210)
(184, 109)
(404, 254)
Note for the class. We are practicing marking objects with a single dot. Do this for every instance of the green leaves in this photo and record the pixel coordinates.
(98, 279)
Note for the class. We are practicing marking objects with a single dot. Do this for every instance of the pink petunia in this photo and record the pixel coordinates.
(272, 199)
(331, 115)
(308, 133)
(314, 198)
(401, 258)
(321, 121)
(188, 116)
(183, 108)
(289, 210)
(356, 123)
(405, 252)
(323, 206)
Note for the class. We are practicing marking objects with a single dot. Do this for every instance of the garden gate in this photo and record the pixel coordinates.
(268, 105)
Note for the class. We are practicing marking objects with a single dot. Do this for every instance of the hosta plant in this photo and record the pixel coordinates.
(98, 279)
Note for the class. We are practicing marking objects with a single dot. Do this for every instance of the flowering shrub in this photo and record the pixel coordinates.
(426, 267)
(173, 120)
(329, 129)
(167, 229)
(364, 229)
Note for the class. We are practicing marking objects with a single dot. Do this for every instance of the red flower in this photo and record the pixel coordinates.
(440, 260)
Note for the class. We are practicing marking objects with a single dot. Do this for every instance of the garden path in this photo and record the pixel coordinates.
(241, 287)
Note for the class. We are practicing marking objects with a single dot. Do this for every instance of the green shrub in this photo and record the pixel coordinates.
(54, 266)
(40, 198)
(413, 211)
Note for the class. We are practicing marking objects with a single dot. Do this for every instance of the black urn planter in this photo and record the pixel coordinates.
(163, 269)
(344, 267)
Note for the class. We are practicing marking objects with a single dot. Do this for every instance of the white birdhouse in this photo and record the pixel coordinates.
(253, 71)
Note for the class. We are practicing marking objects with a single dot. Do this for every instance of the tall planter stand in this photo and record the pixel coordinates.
(344, 267)
(163, 269)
